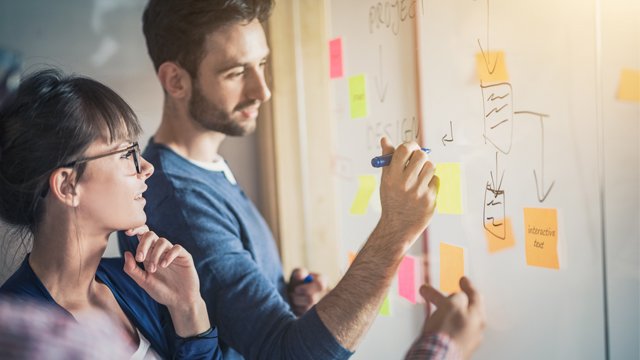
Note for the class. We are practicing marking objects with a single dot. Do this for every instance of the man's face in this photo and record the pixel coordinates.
(230, 86)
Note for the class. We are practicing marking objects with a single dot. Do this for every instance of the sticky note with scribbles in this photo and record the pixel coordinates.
(335, 58)
(541, 237)
(358, 96)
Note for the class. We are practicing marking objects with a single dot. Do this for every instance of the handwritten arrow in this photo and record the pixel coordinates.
(380, 81)
(487, 56)
(444, 138)
(495, 189)
(496, 186)
(541, 192)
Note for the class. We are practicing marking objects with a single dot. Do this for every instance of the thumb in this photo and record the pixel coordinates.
(386, 145)
(298, 275)
(131, 268)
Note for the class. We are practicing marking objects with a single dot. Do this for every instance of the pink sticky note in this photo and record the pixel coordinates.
(407, 279)
(335, 58)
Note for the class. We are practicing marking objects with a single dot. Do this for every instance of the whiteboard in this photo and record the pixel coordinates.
(550, 148)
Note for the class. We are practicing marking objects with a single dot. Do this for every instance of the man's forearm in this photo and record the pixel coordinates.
(349, 310)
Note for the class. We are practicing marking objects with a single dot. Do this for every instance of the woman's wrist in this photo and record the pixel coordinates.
(190, 319)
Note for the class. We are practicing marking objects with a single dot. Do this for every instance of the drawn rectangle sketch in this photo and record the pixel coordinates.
(498, 115)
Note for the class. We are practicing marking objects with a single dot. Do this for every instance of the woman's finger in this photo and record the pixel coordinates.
(137, 231)
(146, 242)
(160, 246)
(131, 268)
(172, 254)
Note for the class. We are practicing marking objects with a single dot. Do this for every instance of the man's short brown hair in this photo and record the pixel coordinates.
(175, 30)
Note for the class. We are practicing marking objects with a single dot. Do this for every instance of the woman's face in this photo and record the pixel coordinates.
(110, 189)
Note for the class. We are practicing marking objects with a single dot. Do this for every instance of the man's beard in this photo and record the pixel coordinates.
(212, 118)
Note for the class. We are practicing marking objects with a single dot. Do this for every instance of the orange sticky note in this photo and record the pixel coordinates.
(491, 67)
(449, 198)
(385, 309)
(451, 267)
(499, 235)
(351, 256)
(407, 278)
(629, 88)
(541, 237)
(366, 187)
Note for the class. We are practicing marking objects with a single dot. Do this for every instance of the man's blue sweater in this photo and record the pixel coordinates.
(237, 260)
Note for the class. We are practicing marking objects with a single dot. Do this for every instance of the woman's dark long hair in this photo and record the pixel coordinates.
(49, 121)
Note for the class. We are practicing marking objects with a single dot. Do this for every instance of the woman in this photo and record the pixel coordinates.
(71, 174)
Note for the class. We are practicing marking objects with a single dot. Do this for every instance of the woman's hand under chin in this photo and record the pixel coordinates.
(170, 278)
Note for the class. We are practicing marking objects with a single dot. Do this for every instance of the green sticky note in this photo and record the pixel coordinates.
(358, 96)
(449, 199)
(366, 187)
(385, 309)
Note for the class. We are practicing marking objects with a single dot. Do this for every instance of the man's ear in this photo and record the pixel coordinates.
(63, 186)
(175, 80)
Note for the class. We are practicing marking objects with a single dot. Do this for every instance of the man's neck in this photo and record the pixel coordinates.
(186, 137)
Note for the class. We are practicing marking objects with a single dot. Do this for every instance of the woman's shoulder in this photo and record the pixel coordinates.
(111, 272)
(24, 283)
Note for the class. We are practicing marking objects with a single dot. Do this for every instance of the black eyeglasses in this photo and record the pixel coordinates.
(133, 150)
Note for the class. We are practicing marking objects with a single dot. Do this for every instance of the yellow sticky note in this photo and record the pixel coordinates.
(451, 267)
(366, 187)
(449, 199)
(491, 67)
(541, 237)
(499, 239)
(375, 203)
(385, 309)
(629, 89)
(358, 96)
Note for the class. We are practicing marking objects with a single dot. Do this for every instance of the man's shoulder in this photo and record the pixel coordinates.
(178, 173)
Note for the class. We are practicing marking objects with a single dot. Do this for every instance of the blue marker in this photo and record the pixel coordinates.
(308, 279)
(384, 160)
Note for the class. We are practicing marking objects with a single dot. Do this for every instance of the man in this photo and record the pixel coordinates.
(210, 57)
(455, 330)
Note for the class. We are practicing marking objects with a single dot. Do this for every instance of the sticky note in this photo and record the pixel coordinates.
(358, 96)
(451, 267)
(629, 88)
(499, 235)
(375, 203)
(407, 278)
(350, 257)
(449, 199)
(366, 187)
(335, 58)
(385, 309)
(541, 237)
(491, 67)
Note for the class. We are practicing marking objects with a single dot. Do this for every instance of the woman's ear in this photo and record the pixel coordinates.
(175, 80)
(63, 186)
